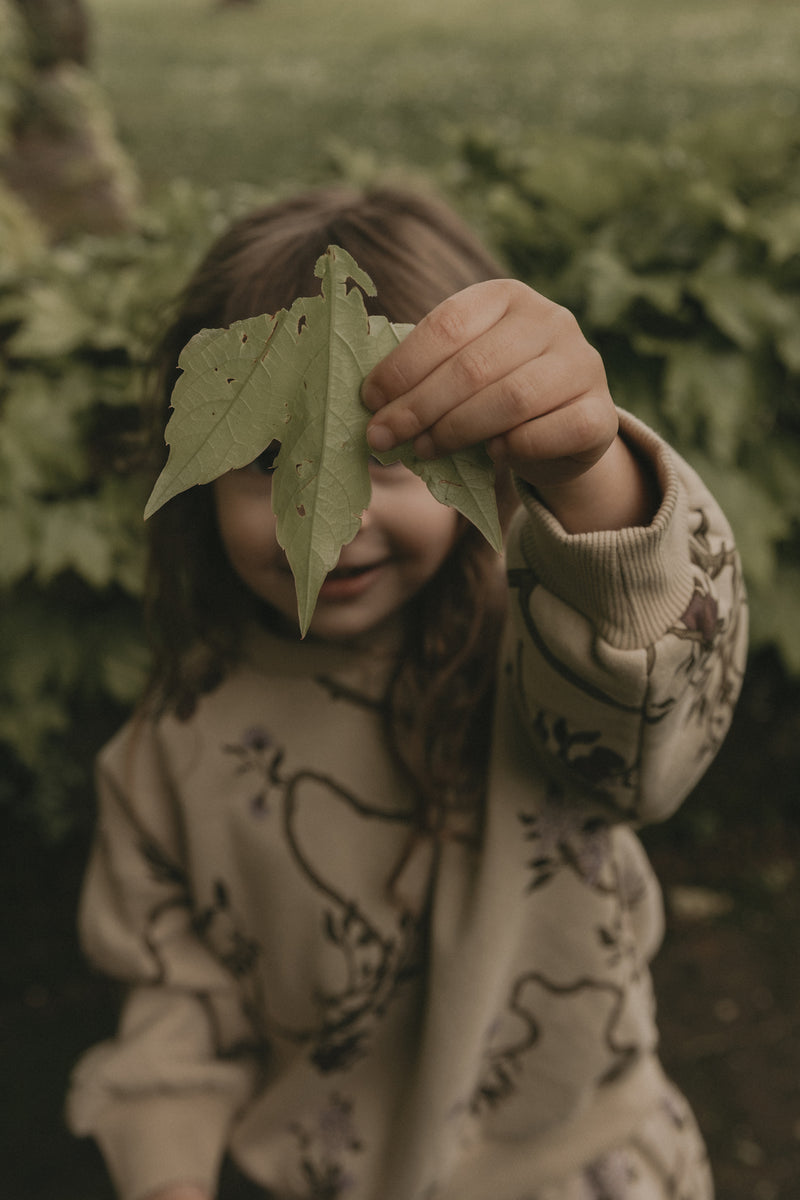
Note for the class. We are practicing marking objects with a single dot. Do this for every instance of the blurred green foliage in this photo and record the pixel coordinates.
(77, 324)
(15, 68)
(680, 259)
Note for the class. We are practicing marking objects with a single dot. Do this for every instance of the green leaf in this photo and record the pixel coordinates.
(710, 398)
(296, 378)
(745, 308)
(779, 225)
(17, 540)
(774, 615)
(40, 437)
(75, 537)
(611, 287)
(53, 325)
(464, 481)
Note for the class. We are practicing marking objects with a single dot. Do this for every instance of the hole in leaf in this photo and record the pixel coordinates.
(301, 510)
(266, 460)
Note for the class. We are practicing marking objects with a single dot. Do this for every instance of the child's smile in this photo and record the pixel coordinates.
(405, 537)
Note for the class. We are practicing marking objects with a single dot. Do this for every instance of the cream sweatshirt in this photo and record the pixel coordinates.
(485, 1026)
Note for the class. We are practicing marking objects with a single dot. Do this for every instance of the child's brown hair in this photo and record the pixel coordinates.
(417, 253)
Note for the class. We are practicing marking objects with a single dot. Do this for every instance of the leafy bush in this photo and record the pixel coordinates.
(682, 262)
(14, 67)
(77, 323)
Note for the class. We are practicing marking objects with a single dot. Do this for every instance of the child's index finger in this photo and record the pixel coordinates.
(448, 328)
(394, 375)
(372, 395)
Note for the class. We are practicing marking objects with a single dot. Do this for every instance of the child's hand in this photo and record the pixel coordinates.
(500, 364)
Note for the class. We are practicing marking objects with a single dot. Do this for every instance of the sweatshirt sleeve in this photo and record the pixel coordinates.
(160, 1097)
(626, 650)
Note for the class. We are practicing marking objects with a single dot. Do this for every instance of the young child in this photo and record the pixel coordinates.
(375, 895)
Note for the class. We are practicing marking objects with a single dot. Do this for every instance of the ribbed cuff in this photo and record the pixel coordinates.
(633, 584)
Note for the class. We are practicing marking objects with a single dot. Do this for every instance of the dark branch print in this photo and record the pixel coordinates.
(375, 964)
(566, 836)
(325, 1150)
(505, 1060)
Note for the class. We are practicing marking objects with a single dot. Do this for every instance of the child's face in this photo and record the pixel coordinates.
(404, 538)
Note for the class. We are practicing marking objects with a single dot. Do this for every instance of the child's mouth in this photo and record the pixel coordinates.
(347, 583)
(351, 572)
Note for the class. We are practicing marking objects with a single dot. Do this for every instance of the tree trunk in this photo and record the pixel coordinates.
(58, 31)
(63, 157)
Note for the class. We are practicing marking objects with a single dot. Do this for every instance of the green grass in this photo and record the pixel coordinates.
(258, 94)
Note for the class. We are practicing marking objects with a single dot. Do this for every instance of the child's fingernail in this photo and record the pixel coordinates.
(424, 447)
(372, 397)
(381, 438)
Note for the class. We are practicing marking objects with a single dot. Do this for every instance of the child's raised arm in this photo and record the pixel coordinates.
(500, 363)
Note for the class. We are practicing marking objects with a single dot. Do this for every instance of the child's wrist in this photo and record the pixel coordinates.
(616, 492)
